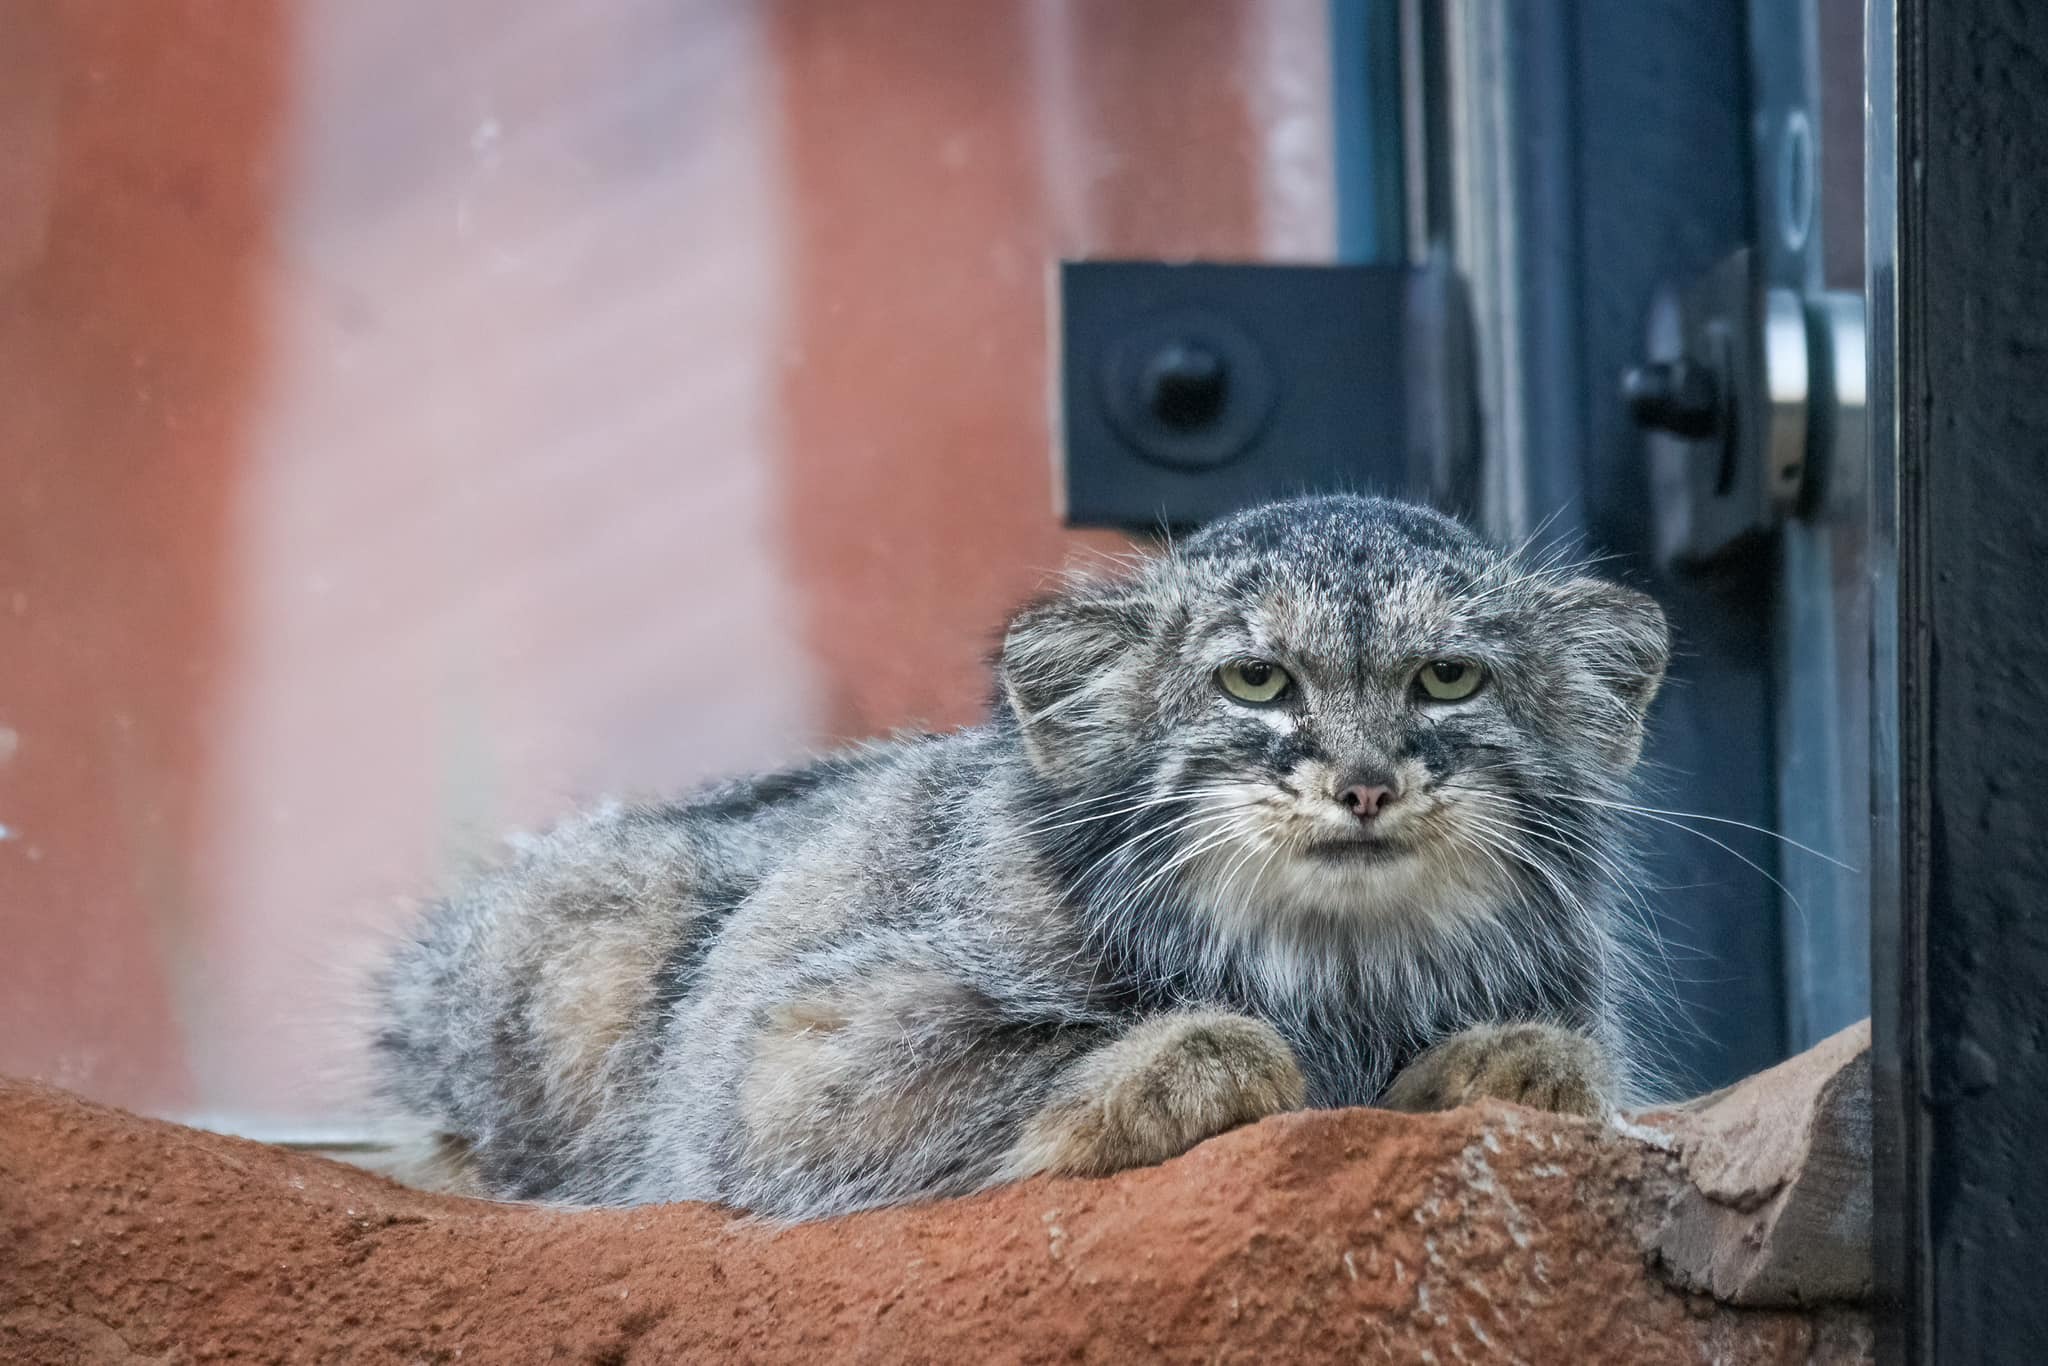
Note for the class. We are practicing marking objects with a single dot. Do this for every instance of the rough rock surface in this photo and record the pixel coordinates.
(1488, 1234)
(1775, 1205)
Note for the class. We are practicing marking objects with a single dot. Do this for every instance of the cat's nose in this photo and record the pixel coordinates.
(1366, 797)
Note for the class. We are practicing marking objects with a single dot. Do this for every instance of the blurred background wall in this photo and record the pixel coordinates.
(417, 419)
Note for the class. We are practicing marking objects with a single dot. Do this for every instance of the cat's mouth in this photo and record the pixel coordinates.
(1360, 848)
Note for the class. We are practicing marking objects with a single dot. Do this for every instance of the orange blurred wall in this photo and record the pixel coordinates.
(136, 192)
(414, 420)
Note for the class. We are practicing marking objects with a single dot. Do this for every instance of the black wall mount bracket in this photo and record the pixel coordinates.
(1185, 391)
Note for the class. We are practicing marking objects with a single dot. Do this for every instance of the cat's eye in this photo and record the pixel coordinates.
(1450, 680)
(1256, 681)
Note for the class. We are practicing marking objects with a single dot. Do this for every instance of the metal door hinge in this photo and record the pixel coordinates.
(1751, 400)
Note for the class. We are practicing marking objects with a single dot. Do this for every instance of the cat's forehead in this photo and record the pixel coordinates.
(1343, 578)
(1353, 617)
(1343, 613)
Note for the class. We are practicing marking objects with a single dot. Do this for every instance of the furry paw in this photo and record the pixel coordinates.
(1158, 1091)
(1539, 1065)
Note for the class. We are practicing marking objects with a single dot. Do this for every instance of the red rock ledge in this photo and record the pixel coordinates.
(1489, 1234)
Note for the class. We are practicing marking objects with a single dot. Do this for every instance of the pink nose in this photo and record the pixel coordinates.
(1365, 802)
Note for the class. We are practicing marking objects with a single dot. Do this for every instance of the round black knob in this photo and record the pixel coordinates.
(1186, 385)
(1674, 396)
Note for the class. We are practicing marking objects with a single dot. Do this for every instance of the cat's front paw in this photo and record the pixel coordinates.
(1539, 1065)
(1159, 1090)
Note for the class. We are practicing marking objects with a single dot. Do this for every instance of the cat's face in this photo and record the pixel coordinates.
(1339, 707)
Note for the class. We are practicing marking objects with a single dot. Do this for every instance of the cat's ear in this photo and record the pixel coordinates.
(1620, 643)
(1068, 670)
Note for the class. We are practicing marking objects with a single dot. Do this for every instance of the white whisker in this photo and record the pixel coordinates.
(1717, 820)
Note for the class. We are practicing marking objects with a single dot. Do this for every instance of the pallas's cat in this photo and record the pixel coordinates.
(1311, 809)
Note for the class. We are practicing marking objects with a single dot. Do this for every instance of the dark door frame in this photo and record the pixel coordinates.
(1958, 288)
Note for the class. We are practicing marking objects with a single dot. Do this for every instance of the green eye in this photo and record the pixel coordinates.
(1450, 680)
(1253, 680)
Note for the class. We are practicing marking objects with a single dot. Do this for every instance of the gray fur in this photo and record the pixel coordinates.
(924, 967)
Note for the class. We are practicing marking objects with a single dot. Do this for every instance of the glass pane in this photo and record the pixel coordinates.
(1824, 756)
